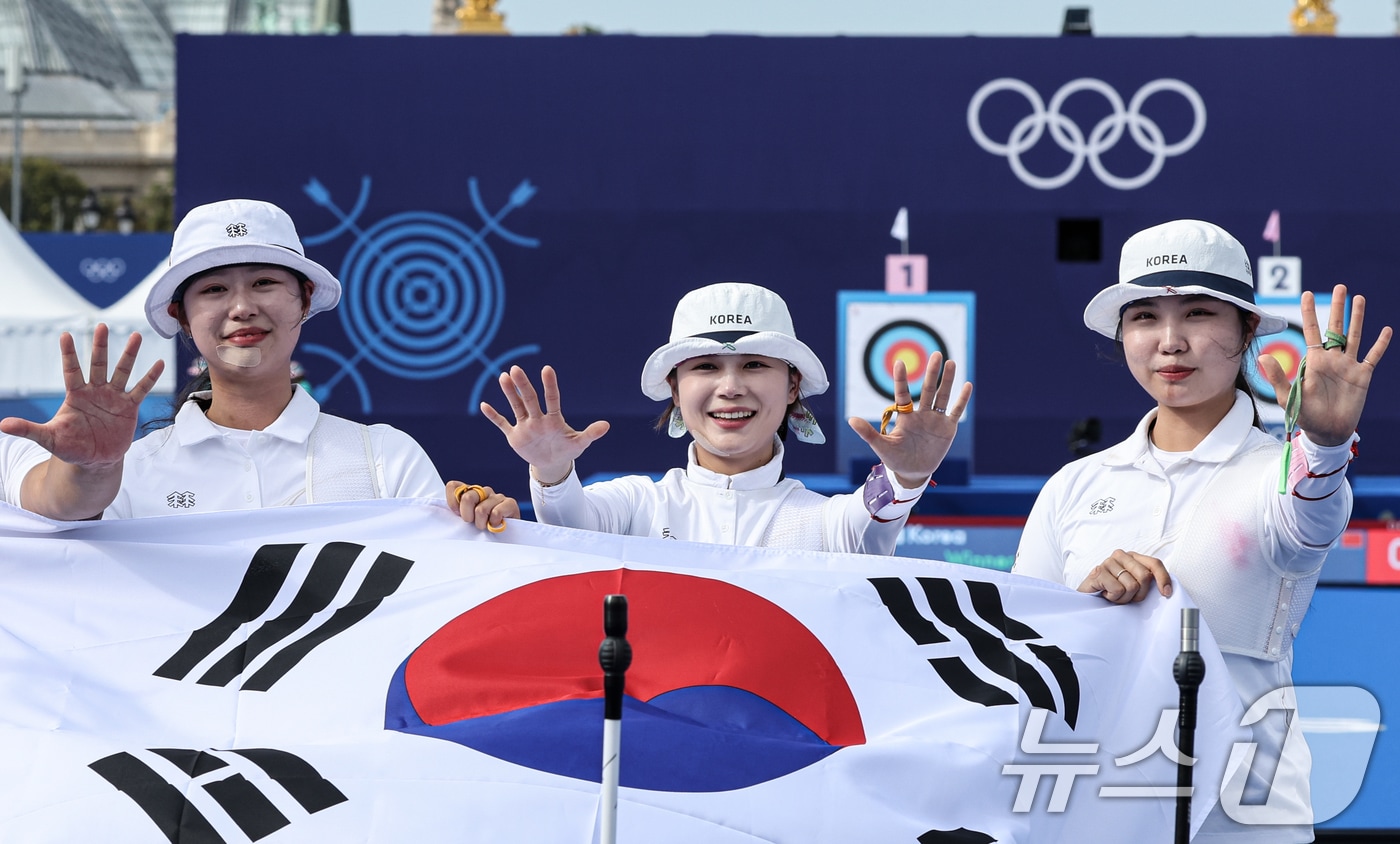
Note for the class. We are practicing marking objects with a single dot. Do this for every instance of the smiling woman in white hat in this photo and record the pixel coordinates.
(1201, 496)
(735, 374)
(239, 287)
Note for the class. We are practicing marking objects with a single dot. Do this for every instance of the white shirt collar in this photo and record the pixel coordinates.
(293, 425)
(763, 477)
(1222, 443)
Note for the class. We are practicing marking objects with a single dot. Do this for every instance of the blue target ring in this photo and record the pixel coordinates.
(1289, 348)
(908, 340)
(423, 296)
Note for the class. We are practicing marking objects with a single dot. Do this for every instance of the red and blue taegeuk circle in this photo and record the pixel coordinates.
(726, 689)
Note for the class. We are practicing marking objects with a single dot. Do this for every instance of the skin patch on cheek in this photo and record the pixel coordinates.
(239, 355)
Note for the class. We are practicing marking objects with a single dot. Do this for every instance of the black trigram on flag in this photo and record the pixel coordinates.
(955, 836)
(217, 785)
(989, 648)
(266, 579)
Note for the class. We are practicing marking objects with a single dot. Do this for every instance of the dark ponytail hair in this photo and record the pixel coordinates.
(197, 384)
(1248, 322)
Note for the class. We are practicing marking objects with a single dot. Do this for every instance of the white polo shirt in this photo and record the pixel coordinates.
(754, 508)
(1125, 497)
(195, 466)
(17, 457)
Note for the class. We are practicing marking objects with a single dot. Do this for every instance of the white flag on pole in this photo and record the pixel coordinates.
(900, 230)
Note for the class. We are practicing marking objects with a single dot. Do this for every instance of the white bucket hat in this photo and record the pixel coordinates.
(731, 318)
(1180, 258)
(235, 231)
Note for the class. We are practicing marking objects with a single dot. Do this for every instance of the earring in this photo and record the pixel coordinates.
(802, 423)
(676, 425)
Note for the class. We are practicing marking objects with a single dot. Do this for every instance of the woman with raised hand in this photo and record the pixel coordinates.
(239, 287)
(70, 467)
(1201, 496)
(735, 374)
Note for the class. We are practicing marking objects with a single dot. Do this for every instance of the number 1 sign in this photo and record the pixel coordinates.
(906, 273)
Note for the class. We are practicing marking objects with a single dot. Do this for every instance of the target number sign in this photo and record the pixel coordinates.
(1280, 279)
(906, 273)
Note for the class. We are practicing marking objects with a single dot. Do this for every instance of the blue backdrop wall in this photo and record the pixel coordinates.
(546, 200)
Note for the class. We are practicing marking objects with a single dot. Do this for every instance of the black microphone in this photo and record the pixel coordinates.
(1084, 435)
(614, 655)
(1189, 669)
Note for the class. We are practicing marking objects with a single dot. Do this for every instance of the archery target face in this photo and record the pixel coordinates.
(904, 328)
(905, 341)
(1288, 347)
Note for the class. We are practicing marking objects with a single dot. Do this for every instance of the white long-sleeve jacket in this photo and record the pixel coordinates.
(759, 508)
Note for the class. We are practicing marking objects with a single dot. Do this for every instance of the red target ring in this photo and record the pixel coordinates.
(1288, 348)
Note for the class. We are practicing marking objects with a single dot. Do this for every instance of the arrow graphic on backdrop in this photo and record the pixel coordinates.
(423, 292)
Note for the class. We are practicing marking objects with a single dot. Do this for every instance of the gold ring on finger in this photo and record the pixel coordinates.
(476, 488)
(907, 407)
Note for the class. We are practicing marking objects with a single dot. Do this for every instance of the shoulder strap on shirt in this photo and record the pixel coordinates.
(340, 462)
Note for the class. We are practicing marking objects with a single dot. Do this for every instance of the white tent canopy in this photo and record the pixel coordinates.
(36, 306)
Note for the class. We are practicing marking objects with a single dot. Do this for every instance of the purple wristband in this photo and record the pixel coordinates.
(877, 492)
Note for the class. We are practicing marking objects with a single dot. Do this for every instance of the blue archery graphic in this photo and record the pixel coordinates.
(423, 295)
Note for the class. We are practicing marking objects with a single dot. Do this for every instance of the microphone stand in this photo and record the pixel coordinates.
(614, 655)
(1189, 670)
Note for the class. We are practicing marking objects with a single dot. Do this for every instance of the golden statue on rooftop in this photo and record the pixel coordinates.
(479, 17)
(1313, 17)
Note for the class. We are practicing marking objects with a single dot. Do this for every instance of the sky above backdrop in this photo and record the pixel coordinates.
(886, 17)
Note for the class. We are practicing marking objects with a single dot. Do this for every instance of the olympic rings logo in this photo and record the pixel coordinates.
(1067, 134)
(102, 270)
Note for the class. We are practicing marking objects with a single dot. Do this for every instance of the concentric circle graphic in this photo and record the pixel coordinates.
(908, 340)
(422, 297)
(1288, 348)
(422, 293)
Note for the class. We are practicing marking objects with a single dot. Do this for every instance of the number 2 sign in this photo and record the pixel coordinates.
(1280, 279)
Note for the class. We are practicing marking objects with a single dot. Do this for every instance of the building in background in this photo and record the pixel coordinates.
(269, 17)
(468, 17)
(100, 85)
(445, 16)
